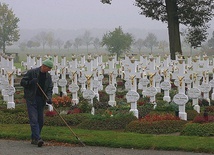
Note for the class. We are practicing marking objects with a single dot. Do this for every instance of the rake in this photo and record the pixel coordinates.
(62, 117)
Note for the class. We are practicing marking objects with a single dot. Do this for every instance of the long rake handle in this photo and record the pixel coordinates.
(61, 117)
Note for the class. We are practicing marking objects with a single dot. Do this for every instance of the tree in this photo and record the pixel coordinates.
(42, 37)
(139, 44)
(31, 44)
(96, 43)
(22, 46)
(9, 31)
(50, 39)
(68, 44)
(196, 36)
(117, 41)
(77, 43)
(150, 41)
(211, 41)
(163, 44)
(191, 13)
(87, 39)
(59, 43)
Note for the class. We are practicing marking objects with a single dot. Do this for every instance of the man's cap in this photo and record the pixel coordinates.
(48, 62)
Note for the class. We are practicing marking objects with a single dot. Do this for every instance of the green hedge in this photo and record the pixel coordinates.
(71, 119)
(157, 127)
(13, 118)
(197, 129)
(99, 122)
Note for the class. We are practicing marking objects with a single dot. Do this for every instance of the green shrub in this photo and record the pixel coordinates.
(104, 97)
(14, 118)
(120, 109)
(84, 105)
(197, 129)
(13, 111)
(173, 92)
(144, 109)
(165, 106)
(191, 114)
(105, 122)
(71, 119)
(203, 102)
(157, 127)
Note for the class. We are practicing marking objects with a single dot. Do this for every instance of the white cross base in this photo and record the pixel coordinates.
(112, 103)
(135, 112)
(10, 105)
(167, 98)
(183, 115)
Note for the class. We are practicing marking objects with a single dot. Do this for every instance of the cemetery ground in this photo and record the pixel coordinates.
(115, 127)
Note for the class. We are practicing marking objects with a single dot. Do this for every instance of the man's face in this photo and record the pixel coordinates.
(45, 69)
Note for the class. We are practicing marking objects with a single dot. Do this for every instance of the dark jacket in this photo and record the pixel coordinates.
(30, 91)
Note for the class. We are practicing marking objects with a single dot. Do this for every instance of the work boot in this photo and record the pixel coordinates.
(40, 142)
(34, 142)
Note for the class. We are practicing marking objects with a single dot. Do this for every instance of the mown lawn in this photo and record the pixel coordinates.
(112, 138)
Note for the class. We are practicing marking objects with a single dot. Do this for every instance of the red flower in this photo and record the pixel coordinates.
(51, 113)
(74, 111)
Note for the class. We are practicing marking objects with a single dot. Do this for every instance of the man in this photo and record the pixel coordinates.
(36, 82)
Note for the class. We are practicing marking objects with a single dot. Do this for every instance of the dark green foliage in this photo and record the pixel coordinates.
(157, 127)
(191, 114)
(72, 120)
(13, 111)
(159, 96)
(196, 129)
(203, 102)
(173, 92)
(143, 100)
(117, 41)
(19, 95)
(104, 97)
(14, 117)
(100, 104)
(163, 106)
(84, 105)
(144, 109)
(105, 122)
(121, 94)
(9, 27)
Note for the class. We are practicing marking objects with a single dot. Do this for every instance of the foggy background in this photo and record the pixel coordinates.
(69, 19)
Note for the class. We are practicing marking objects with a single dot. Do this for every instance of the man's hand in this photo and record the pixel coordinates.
(49, 101)
(34, 81)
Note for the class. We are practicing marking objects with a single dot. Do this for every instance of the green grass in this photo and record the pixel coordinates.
(112, 138)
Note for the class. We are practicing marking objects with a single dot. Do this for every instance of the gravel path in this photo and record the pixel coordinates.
(11, 147)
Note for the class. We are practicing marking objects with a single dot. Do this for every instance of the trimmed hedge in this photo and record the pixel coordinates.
(156, 127)
(71, 119)
(115, 122)
(14, 118)
(197, 129)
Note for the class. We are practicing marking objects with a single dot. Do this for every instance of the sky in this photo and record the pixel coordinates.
(79, 14)
(84, 14)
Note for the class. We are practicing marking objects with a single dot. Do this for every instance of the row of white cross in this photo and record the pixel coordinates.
(149, 74)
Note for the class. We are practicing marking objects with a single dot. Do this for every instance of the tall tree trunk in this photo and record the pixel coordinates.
(173, 28)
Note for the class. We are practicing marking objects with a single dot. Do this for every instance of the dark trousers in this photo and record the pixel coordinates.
(36, 116)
